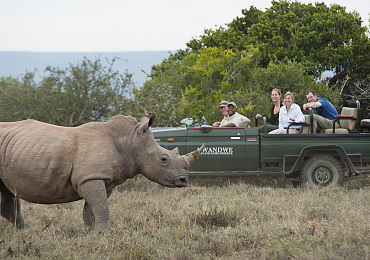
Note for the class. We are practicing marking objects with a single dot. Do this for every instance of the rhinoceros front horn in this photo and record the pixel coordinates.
(193, 156)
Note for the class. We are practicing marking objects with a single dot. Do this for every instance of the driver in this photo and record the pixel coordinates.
(234, 119)
(223, 108)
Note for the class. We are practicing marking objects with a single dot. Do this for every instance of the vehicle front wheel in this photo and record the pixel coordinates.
(322, 170)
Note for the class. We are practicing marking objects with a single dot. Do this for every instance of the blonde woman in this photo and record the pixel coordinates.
(289, 113)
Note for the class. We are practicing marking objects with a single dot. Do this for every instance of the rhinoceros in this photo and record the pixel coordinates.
(47, 164)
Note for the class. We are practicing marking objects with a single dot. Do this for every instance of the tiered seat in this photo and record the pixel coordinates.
(365, 123)
(348, 118)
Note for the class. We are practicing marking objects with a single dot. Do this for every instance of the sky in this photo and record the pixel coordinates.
(121, 25)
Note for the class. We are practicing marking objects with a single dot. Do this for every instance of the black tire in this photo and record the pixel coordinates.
(322, 170)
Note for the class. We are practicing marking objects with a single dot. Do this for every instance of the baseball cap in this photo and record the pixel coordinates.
(233, 104)
(223, 104)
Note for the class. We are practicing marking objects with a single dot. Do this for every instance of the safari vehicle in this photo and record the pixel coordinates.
(312, 159)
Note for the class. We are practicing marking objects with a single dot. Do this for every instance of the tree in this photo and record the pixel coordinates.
(18, 99)
(319, 37)
(215, 75)
(193, 85)
(352, 90)
(159, 95)
(81, 93)
(291, 45)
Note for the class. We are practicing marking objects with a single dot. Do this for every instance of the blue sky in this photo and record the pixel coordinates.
(120, 25)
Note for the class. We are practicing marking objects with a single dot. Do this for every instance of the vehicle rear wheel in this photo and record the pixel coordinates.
(322, 170)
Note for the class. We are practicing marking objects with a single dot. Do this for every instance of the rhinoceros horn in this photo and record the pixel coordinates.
(191, 157)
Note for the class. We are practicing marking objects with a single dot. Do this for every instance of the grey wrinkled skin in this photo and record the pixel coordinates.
(47, 164)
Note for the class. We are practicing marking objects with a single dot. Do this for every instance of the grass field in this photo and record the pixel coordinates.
(210, 219)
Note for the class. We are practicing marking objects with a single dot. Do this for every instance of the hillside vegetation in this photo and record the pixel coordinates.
(226, 220)
(289, 46)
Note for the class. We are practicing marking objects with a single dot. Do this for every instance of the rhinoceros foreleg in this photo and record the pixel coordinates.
(88, 215)
(10, 207)
(96, 211)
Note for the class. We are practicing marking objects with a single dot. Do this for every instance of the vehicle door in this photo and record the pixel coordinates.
(224, 150)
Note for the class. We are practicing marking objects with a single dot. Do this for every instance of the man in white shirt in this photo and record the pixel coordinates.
(234, 119)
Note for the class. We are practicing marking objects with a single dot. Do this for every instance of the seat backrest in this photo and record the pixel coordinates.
(348, 124)
(306, 129)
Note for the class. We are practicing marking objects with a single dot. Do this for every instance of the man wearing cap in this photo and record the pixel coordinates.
(234, 119)
(223, 108)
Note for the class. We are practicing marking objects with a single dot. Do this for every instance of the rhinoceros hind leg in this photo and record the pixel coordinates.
(88, 216)
(10, 207)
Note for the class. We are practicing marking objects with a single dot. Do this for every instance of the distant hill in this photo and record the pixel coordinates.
(17, 63)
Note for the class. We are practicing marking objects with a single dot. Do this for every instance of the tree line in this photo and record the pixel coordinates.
(81, 93)
(288, 47)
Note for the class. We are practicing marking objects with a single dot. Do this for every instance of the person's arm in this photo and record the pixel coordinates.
(269, 119)
(311, 105)
(297, 115)
(231, 124)
(245, 122)
(281, 119)
(236, 120)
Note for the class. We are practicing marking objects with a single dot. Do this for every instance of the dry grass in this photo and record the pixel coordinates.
(230, 220)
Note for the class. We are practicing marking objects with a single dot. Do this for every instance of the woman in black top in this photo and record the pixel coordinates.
(274, 117)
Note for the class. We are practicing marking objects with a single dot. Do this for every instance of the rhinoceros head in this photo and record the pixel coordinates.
(158, 164)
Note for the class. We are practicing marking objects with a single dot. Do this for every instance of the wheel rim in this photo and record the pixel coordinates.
(322, 175)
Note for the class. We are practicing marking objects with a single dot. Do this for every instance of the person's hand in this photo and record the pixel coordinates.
(305, 106)
(258, 116)
(216, 124)
(292, 119)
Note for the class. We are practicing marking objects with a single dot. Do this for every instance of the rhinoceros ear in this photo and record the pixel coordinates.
(152, 118)
(175, 151)
(145, 122)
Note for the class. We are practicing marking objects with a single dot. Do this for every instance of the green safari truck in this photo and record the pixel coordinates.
(309, 158)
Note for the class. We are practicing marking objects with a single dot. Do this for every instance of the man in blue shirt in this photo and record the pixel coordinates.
(325, 111)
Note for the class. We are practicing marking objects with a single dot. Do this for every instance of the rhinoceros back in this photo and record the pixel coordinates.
(36, 159)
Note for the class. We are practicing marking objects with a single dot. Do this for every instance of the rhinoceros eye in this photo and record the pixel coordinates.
(164, 159)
